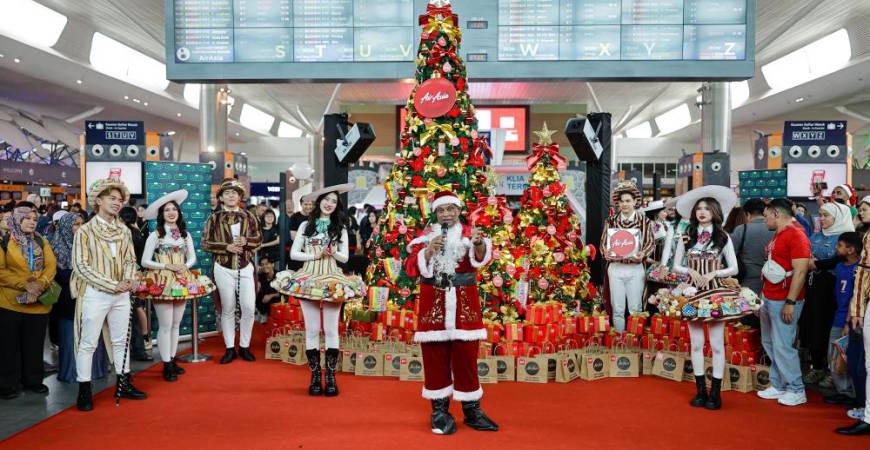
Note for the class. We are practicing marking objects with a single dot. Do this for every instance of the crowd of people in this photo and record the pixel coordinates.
(64, 273)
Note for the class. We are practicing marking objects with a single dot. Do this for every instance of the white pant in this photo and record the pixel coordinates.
(225, 279)
(311, 313)
(867, 361)
(169, 317)
(97, 307)
(626, 286)
(717, 344)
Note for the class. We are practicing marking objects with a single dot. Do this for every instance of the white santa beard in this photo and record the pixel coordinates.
(454, 250)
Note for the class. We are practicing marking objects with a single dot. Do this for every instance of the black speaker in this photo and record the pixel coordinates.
(240, 163)
(717, 169)
(216, 160)
(114, 152)
(357, 140)
(822, 154)
(588, 136)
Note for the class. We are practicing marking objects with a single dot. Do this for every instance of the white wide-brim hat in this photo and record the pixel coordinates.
(338, 189)
(725, 196)
(178, 196)
(655, 205)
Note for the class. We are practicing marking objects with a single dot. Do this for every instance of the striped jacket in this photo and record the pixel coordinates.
(218, 234)
(93, 264)
(861, 291)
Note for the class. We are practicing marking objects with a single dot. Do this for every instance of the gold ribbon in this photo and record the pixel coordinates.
(445, 24)
(434, 128)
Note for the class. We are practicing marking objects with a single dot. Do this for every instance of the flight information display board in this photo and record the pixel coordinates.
(263, 40)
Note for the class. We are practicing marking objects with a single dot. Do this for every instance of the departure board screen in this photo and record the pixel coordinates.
(249, 40)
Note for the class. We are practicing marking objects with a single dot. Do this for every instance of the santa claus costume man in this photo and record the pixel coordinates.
(447, 257)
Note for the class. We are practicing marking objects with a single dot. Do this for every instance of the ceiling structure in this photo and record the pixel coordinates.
(44, 81)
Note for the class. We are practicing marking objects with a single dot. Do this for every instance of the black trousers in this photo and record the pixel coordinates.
(21, 340)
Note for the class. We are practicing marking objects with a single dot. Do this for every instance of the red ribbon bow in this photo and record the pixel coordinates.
(552, 150)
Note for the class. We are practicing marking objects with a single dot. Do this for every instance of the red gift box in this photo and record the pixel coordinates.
(552, 332)
(568, 326)
(534, 334)
(632, 340)
(636, 324)
(513, 331)
(537, 314)
(393, 318)
(518, 348)
(613, 338)
(554, 312)
(379, 332)
(658, 325)
(674, 328)
(648, 341)
(484, 349)
(494, 332)
(684, 345)
(600, 323)
(277, 311)
(584, 324)
(408, 320)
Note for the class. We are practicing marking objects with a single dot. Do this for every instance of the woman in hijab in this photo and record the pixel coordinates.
(818, 315)
(64, 309)
(27, 269)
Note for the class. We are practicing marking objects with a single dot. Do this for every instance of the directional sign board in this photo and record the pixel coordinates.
(815, 141)
(114, 132)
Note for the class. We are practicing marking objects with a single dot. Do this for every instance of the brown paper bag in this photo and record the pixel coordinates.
(593, 363)
(624, 364)
(532, 369)
(688, 368)
(761, 374)
(393, 363)
(369, 364)
(669, 365)
(646, 361)
(275, 345)
(505, 367)
(740, 378)
(294, 353)
(487, 372)
(549, 352)
(567, 368)
(708, 374)
(411, 368)
(348, 360)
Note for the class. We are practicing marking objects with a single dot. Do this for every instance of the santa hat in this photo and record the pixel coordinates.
(853, 197)
(445, 198)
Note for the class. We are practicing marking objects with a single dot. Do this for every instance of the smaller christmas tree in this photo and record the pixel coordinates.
(555, 261)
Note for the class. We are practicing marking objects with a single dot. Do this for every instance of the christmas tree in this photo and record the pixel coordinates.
(554, 263)
(440, 149)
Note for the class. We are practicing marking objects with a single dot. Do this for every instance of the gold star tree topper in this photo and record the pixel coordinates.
(545, 136)
(439, 3)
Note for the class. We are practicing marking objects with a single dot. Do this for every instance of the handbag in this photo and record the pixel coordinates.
(50, 295)
(741, 266)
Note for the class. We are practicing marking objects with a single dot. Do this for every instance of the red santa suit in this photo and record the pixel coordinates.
(449, 319)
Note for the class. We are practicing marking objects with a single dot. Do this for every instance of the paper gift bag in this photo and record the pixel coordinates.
(624, 364)
(646, 361)
(275, 345)
(348, 360)
(688, 367)
(393, 363)
(369, 364)
(669, 365)
(487, 372)
(294, 353)
(532, 369)
(567, 368)
(505, 367)
(552, 360)
(740, 378)
(708, 374)
(411, 368)
(594, 366)
(761, 374)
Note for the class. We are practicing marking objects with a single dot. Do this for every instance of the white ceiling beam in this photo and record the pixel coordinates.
(595, 101)
(328, 105)
(775, 34)
(642, 107)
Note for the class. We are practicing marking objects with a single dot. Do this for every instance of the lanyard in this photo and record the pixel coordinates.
(31, 263)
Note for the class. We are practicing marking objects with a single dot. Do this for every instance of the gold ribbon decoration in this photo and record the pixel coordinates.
(433, 128)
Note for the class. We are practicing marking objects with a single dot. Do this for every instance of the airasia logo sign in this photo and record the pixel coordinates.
(622, 243)
(435, 98)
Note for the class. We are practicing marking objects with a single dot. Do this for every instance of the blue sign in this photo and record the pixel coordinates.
(266, 189)
(111, 132)
(814, 132)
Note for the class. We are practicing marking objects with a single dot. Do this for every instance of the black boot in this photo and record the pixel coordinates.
(246, 354)
(701, 397)
(176, 368)
(331, 365)
(858, 428)
(229, 356)
(85, 400)
(125, 389)
(168, 372)
(475, 417)
(315, 388)
(715, 401)
(442, 421)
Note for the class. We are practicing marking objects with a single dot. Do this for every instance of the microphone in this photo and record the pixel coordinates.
(443, 237)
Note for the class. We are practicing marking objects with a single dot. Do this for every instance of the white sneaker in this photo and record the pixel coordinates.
(856, 413)
(793, 399)
(771, 393)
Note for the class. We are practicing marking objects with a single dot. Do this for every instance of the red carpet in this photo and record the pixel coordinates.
(265, 405)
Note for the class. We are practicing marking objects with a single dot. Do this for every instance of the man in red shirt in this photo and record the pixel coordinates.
(783, 292)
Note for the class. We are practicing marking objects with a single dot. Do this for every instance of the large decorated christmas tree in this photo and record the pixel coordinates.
(440, 149)
(553, 266)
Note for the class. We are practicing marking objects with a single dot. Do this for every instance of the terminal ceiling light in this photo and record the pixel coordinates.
(28, 21)
(819, 58)
(739, 93)
(191, 94)
(210, 148)
(17, 60)
(799, 99)
(285, 130)
(644, 130)
(79, 81)
(145, 104)
(126, 97)
(255, 119)
(673, 120)
(238, 134)
(126, 64)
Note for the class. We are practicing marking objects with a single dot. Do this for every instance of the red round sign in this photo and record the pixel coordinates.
(434, 98)
(622, 243)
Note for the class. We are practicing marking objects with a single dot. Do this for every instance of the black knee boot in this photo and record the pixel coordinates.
(700, 398)
(715, 401)
(85, 400)
(442, 421)
(176, 368)
(124, 388)
(169, 372)
(475, 418)
(331, 365)
(315, 388)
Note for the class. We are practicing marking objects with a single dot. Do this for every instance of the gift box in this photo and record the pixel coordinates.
(278, 311)
(408, 320)
(554, 311)
(600, 323)
(379, 332)
(537, 314)
(584, 324)
(494, 332)
(674, 328)
(513, 331)
(294, 314)
(684, 345)
(612, 338)
(632, 340)
(552, 332)
(636, 323)
(534, 334)
(567, 326)
(648, 341)
(378, 297)
(658, 325)
(484, 350)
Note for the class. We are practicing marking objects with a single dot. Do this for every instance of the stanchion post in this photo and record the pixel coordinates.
(195, 356)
